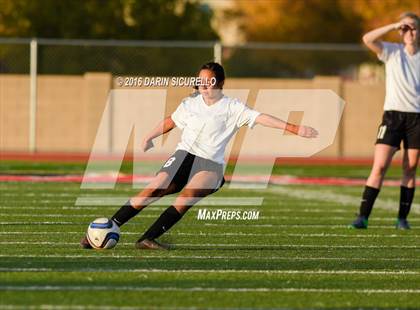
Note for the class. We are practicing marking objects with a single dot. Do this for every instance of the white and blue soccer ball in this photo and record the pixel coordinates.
(103, 233)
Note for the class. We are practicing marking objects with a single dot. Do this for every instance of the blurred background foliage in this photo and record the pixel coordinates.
(275, 21)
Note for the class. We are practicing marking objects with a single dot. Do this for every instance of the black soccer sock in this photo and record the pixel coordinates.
(406, 198)
(368, 199)
(125, 213)
(166, 220)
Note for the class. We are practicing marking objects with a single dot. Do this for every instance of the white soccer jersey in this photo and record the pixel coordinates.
(207, 129)
(402, 78)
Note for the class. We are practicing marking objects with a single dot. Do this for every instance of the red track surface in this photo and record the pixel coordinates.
(143, 179)
(84, 157)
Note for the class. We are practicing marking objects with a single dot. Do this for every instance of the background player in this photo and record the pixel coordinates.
(401, 119)
(208, 120)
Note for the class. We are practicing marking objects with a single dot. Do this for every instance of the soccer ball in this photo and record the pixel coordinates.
(103, 233)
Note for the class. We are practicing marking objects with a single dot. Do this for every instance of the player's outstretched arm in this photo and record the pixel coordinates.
(274, 122)
(371, 39)
(163, 127)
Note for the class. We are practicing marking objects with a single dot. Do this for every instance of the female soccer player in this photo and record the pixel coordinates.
(401, 119)
(208, 120)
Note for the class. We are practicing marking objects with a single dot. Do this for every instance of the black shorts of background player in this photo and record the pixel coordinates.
(401, 119)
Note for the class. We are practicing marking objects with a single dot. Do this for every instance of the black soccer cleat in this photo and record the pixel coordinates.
(147, 244)
(402, 224)
(84, 243)
(360, 222)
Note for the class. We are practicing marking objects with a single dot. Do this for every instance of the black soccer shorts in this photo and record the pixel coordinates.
(400, 126)
(182, 166)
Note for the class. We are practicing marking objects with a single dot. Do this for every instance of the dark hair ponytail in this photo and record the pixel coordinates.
(218, 71)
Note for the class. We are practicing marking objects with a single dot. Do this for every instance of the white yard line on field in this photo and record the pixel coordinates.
(87, 215)
(200, 289)
(96, 307)
(38, 194)
(73, 208)
(235, 234)
(233, 246)
(29, 202)
(240, 271)
(39, 223)
(326, 226)
(165, 201)
(9, 215)
(223, 224)
(211, 257)
(277, 209)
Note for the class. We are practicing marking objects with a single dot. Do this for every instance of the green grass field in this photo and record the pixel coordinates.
(298, 254)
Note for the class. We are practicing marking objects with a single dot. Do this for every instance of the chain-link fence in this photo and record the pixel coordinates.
(294, 60)
(181, 58)
(68, 57)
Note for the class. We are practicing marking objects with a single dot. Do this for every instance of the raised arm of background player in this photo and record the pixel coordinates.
(371, 39)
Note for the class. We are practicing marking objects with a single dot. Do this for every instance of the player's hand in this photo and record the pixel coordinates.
(398, 25)
(307, 132)
(146, 145)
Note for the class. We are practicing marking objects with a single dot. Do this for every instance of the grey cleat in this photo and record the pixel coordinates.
(147, 244)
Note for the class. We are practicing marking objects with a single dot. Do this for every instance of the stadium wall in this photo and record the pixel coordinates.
(69, 109)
